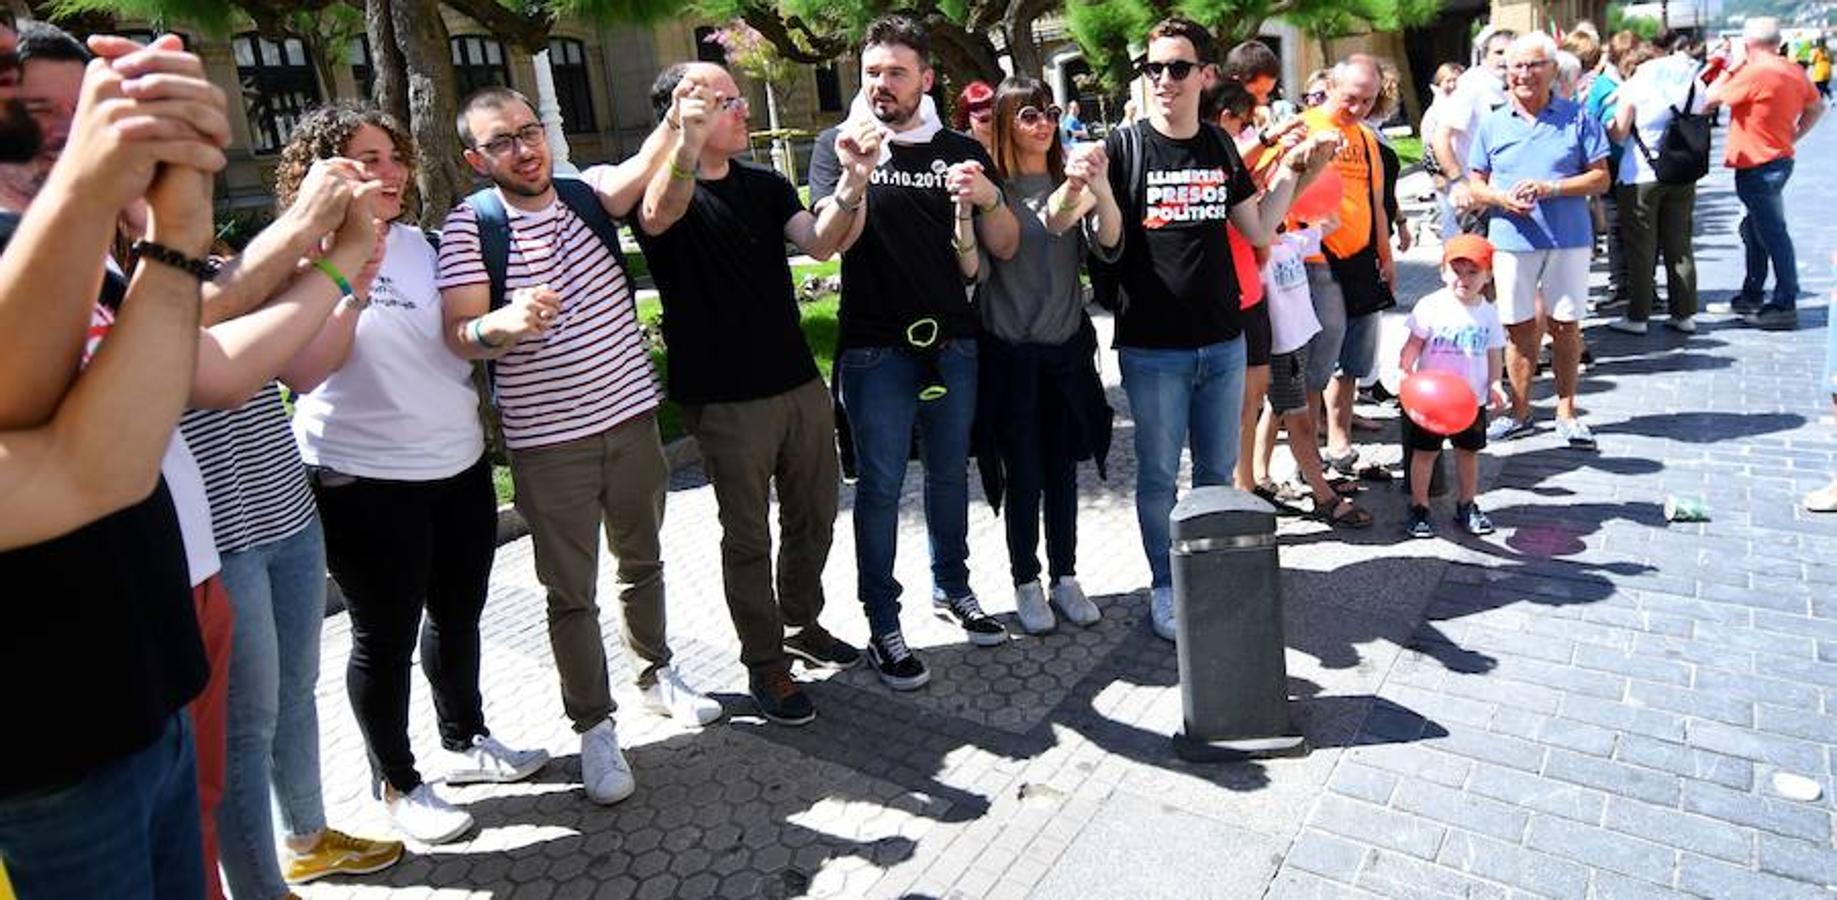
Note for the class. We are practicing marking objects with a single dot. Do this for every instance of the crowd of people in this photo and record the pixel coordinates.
(147, 445)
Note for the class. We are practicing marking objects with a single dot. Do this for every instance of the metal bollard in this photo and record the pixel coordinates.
(1228, 606)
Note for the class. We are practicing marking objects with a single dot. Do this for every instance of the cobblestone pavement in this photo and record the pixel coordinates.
(1591, 702)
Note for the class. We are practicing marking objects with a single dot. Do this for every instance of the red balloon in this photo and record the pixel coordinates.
(1321, 199)
(1439, 401)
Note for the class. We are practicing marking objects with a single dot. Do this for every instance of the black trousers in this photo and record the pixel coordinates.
(398, 548)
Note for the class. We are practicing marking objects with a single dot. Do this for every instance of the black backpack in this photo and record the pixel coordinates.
(1683, 148)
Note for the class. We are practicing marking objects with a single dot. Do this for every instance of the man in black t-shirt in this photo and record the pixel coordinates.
(713, 229)
(1179, 339)
(908, 328)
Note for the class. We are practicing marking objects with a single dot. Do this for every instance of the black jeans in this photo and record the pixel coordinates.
(397, 548)
(1040, 459)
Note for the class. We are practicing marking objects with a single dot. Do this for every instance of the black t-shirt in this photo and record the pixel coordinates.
(1177, 267)
(903, 268)
(730, 317)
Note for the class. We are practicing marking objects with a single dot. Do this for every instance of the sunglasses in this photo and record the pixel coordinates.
(1031, 116)
(1178, 70)
(1314, 98)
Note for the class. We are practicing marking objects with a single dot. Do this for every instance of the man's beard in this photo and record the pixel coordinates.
(899, 114)
(20, 138)
(527, 190)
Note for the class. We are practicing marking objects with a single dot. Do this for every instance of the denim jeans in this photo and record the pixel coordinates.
(128, 830)
(1179, 397)
(278, 591)
(880, 388)
(1764, 233)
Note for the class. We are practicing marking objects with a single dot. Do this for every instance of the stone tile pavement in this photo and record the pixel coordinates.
(1589, 703)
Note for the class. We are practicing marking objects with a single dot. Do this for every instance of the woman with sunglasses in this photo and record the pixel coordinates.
(388, 425)
(974, 111)
(1040, 392)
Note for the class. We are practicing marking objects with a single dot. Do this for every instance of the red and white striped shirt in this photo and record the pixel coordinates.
(591, 370)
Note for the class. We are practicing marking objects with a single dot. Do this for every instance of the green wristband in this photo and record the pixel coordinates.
(337, 277)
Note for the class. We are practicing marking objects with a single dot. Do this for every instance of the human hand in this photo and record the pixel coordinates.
(1088, 166)
(858, 149)
(366, 277)
(359, 228)
(1320, 148)
(967, 184)
(531, 310)
(693, 105)
(1497, 398)
(125, 128)
(1387, 269)
(1405, 239)
(324, 195)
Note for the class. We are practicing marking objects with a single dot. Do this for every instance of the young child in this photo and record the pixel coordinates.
(1455, 330)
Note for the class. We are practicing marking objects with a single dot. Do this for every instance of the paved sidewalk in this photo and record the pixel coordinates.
(1592, 702)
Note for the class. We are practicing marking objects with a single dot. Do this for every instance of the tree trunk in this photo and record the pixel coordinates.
(421, 37)
(1023, 50)
(391, 78)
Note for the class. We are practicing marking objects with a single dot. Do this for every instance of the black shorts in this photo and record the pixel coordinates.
(1472, 439)
(1288, 380)
(1256, 334)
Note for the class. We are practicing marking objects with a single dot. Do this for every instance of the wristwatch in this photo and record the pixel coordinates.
(353, 302)
(1264, 138)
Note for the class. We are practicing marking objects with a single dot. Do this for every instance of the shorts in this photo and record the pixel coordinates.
(1346, 347)
(1422, 440)
(1257, 335)
(1288, 381)
(1561, 276)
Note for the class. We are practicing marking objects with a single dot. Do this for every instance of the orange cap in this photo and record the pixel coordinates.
(1471, 247)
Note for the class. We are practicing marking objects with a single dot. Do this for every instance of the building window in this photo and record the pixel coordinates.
(568, 63)
(478, 62)
(707, 50)
(146, 35)
(363, 71)
(279, 86)
(828, 88)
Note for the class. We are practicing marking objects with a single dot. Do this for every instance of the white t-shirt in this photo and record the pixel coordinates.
(1457, 338)
(1285, 287)
(1653, 90)
(1476, 94)
(402, 407)
(186, 483)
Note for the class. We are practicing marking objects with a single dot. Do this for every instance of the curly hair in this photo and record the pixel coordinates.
(326, 132)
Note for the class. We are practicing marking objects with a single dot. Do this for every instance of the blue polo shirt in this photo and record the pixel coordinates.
(1562, 142)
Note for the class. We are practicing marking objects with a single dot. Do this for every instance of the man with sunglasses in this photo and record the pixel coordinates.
(908, 329)
(1179, 336)
(578, 401)
(714, 228)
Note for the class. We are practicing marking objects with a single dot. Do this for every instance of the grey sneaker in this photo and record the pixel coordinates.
(1684, 324)
(1627, 326)
(1069, 599)
(1506, 428)
(1769, 318)
(1161, 613)
(1030, 603)
(1575, 433)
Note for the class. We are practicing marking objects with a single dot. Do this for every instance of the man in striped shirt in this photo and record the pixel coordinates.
(578, 404)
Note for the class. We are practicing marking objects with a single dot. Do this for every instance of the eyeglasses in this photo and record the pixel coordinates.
(532, 135)
(1031, 116)
(1314, 98)
(981, 111)
(1177, 70)
(1529, 65)
(734, 104)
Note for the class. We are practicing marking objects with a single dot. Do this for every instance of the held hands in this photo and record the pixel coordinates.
(531, 311)
(325, 194)
(1288, 133)
(366, 277)
(694, 105)
(1314, 152)
(968, 186)
(858, 149)
(1087, 166)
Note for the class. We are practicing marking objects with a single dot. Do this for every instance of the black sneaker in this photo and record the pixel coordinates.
(897, 666)
(1418, 525)
(978, 626)
(1772, 318)
(780, 698)
(818, 649)
(1472, 519)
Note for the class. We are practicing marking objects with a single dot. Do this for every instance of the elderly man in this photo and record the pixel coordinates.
(1535, 162)
(1772, 104)
(1477, 92)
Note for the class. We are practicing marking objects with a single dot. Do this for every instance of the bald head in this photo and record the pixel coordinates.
(1352, 88)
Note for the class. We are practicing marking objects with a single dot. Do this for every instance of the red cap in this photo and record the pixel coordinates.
(1471, 247)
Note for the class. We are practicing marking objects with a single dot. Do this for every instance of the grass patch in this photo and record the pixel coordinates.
(1409, 149)
(500, 482)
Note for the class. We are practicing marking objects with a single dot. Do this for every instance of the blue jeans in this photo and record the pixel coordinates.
(129, 830)
(880, 388)
(278, 591)
(1179, 397)
(1764, 233)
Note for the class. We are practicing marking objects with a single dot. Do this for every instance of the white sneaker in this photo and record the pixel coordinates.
(603, 770)
(1068, 596)
(1161, 606)
(669, 696)
(1030, 603)
(1685, 324)
(1627, 326)
(422, 816)
(489, 761)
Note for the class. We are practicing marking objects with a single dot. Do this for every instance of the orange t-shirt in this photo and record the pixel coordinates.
(1765, 100)
(1357, 163)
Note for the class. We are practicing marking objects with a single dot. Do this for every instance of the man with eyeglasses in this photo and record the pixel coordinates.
(1535, 163)
(532, 278)
(1179, 336)
(714, 228)
(1477, 92)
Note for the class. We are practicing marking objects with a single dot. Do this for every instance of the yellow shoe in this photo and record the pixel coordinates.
(341, 854)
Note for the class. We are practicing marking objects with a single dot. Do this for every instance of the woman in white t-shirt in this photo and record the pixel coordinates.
(389, 429)
(1655, 217)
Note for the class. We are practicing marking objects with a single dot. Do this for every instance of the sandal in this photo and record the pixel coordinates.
(1360, 423)
(1343, 514)
(1273, 495)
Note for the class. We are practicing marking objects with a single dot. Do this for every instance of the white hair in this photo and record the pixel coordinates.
(1568, 66)
(1761, 30)
(1533, 40)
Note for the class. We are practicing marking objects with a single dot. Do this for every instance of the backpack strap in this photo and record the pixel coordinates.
(585, 203)
(493, 239)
